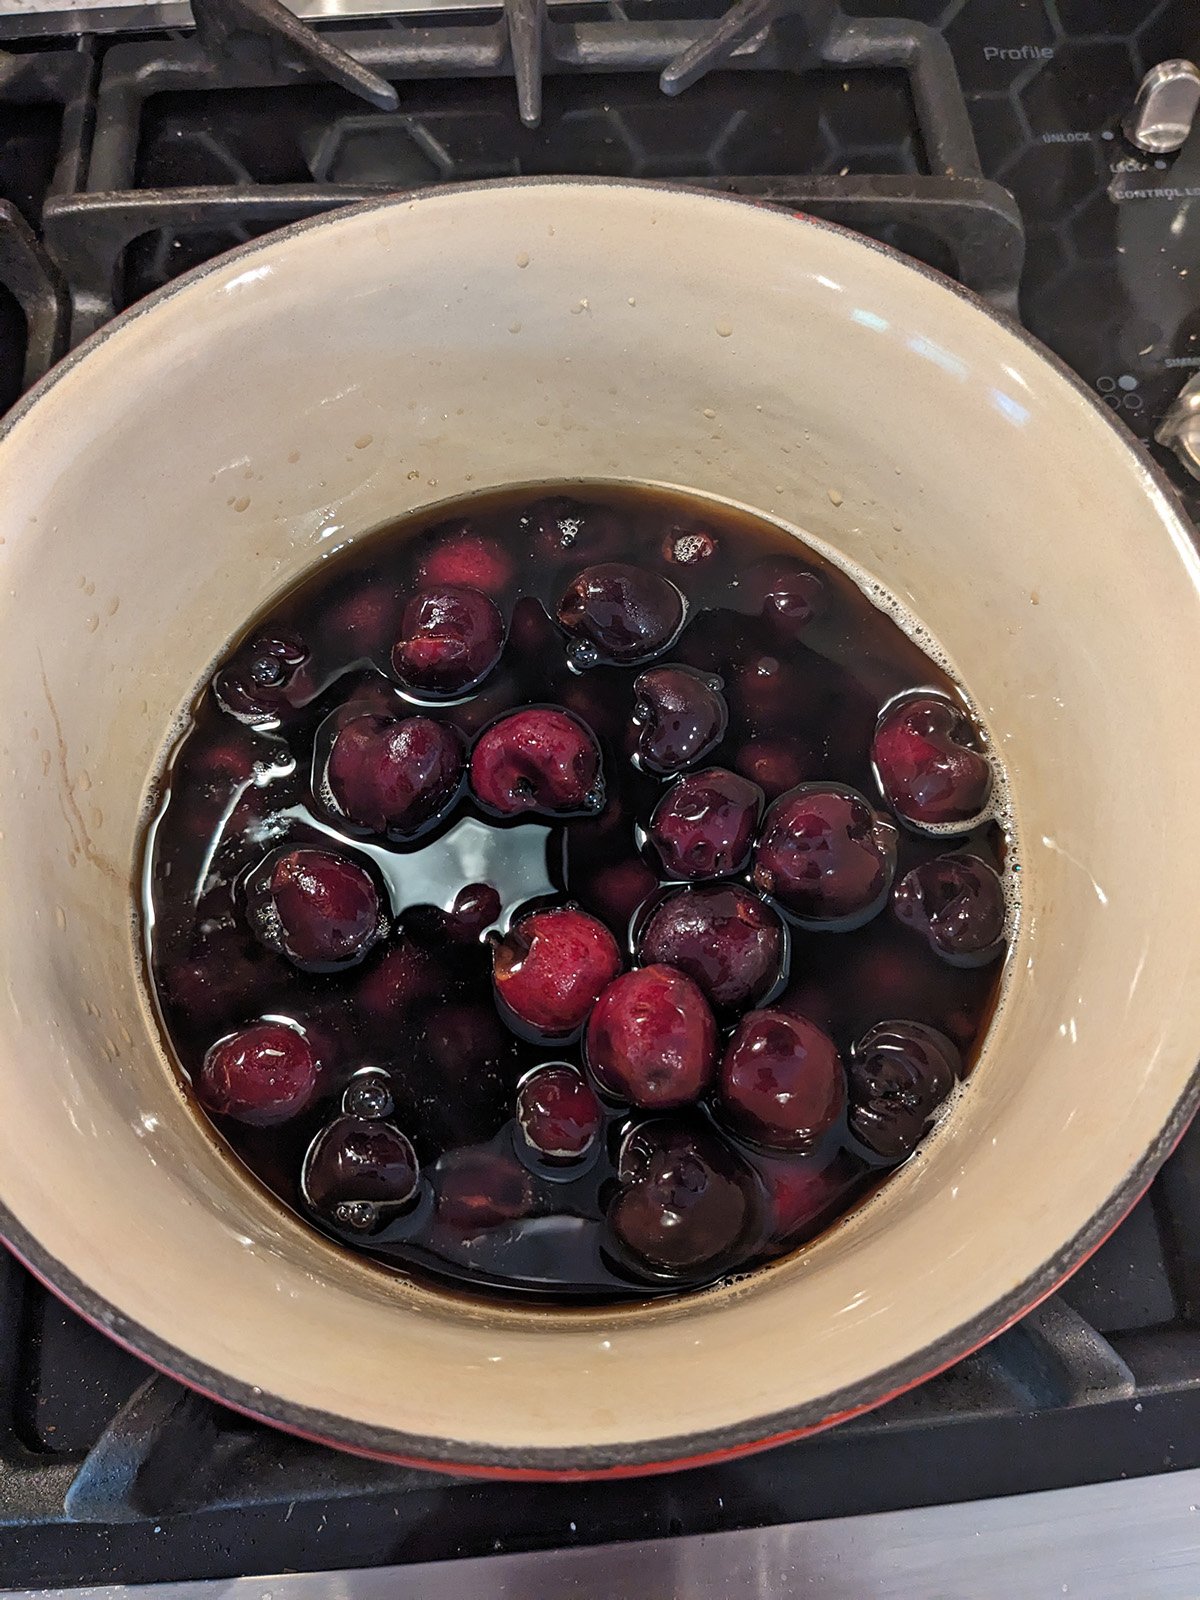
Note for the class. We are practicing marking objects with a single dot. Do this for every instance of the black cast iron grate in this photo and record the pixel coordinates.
(170, 173)
(157, 154)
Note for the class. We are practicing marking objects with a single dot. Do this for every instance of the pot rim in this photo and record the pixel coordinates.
(686, 1450)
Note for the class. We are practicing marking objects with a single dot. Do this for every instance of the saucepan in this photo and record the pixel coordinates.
(188, 462)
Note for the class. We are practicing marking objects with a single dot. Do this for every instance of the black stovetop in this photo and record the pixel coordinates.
(122, 163)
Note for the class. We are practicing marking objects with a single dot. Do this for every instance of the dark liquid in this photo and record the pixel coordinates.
(233, 793)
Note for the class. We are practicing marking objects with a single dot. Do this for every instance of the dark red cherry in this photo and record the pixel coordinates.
(225, 976)
(362, 621)
(264, 679)
(704, 825)
(463, 558)
(621, 614)
(618, 890)
(359, 1171)
(392, 775)
(404, 976)
(723, 937)
(769, 691)
(320, 909)
(777, 765)
(926, 753)
(539, 759)
(478, 1188)
(681, 715)
(686, 1203)
(550, 968)
(450, 639)
(957, 902)
(786, 593)
(558, 526)
(802, 1191)
(781, 1083)
(474, 911)
(558, 1113)
(262, 1074)
(652, 1039)
(826, 855)
(899, 1072)
(688, 546)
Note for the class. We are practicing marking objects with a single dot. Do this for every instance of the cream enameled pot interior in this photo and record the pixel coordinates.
(297, 394)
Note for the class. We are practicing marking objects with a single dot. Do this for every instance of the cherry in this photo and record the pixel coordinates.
(704, 825)
(320, 909)
(403, 977)
(220, 767)
(558, 1113)
(900, 1072)
(826, 855)
(538, 759)
(801, 1191)
(550, 969)
(478, 1188)
(786, 593)
(391, 775)
(957, 902)
(776, 765)
(455, 1080)
(473, 912)
(618, 890)
(770, 691)
(781, 1083)
(465, 1040)
(225, 975)
(619, 614)
(368, 1094)
(463, 558)
(652, 1040)
(264, 679)
(532, 633)
(359, 1171)
(686, 1203)
(727, 940)
(688, 547)
(681, 715)
(450, 639)
(363, 620)
(927, 757)
(559, 525)
(262, 1074)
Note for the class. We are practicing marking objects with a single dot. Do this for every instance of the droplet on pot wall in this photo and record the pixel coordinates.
(241, 503)
(724, 329)
(364, 441)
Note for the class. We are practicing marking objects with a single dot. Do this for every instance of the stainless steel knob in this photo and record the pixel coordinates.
(1180, 427)
(1165, 108)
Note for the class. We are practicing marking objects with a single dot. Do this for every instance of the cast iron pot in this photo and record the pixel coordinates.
(208, 446)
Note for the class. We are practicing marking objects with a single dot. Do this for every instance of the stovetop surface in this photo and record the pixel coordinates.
(125, 162)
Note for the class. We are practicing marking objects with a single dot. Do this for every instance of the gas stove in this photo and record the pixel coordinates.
(1042, 151)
